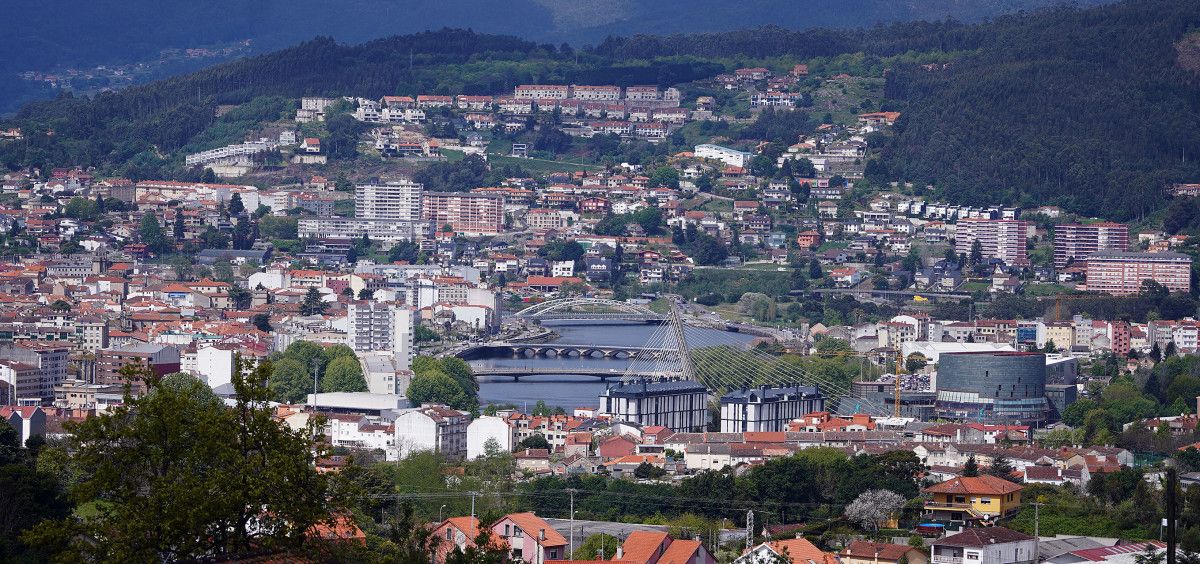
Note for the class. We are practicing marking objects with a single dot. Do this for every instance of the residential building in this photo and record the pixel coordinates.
(488, 428)
(160, 359)
(870, 552)
(397, 200)
(530, 539)
(29, 421)
(434, 428)
(470, 214)
(1002, 239)
(383, 230)
(1122, 273)
(796, 551)
(767, 408)
(542, 92)
(973, 500)
(30, 370)
(680, 405)
(988, 545)
(1073, 242)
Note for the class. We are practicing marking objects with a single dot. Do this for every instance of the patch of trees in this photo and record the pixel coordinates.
(448, 381)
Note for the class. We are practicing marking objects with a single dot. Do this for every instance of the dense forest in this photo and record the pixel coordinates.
(1088, 109)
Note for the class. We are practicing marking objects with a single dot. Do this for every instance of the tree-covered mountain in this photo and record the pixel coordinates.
(55, 34)
(1094, 110)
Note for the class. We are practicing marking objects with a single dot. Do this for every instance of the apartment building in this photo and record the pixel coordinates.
(470, 214)
(542, 92)
(434, 428)
(377, 326)
(161, 359)
(767, 408)
(731, 157)
(30, 370)
(1002, 239)
(1122, 273)
(679, 405)
(596, 92)
(396, 200)
(1073, 243)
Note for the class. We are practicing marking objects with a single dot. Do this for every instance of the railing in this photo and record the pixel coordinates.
(946, 505)
(946, 559)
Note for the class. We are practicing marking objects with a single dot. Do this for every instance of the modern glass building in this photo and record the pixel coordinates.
(992, 387)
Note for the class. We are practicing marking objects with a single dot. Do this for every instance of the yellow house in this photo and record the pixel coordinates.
(970, 499)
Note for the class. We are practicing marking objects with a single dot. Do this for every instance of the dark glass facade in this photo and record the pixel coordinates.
(992, 387)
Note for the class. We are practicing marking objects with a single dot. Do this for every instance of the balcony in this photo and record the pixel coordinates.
(936, 559)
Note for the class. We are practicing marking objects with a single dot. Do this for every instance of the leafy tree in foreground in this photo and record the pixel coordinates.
(177, 475)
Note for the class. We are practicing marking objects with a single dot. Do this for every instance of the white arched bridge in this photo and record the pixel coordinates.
(590, 309)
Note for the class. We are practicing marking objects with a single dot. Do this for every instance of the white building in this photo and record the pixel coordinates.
(398, 200)
(731, 157)
(986, 545)
(383, 230)
(383, 373)
(215, 365)
(767, 408)
(680, 405)
(486, 428)
(434, 428)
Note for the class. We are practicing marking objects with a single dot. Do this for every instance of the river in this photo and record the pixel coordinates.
(565, 390)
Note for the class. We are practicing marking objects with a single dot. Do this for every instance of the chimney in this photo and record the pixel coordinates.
(620, 553)
(541, 534)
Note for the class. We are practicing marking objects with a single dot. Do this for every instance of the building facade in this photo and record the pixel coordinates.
(434, 428)
(1122, 274)
(466, 213)
(767, 408)
(161, 359)
(397, 200)
(1073, 242)
(996, 387)
(33, 370)
(679, 405)
(1002, 239)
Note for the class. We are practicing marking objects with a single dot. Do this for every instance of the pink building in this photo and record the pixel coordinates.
(1003, 239)
(530, 538)
(1122, 274)
(1076, 242)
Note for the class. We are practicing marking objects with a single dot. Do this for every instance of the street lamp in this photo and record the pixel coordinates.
(440, 512)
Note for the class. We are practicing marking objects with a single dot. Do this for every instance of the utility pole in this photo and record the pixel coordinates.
(749, 529)
(571, 545)
(1172, 483)
(1036, 522)
(472, 507)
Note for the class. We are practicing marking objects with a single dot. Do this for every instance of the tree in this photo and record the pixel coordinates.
(1002, 468)
(1151, 555)
(971, 468)
(814, 269)
(151, 234)
(366, 294)
(290, 381)
(647, 471)
(177, 475)
(223, 272)
(872, 508)
(236, 207)
(436, 387)
(535, 440)
(240, 296)
(915, 362)
(344, 374)
(1170, 352)
(262, 322)
(665, 176)
(313, 304)
(599, 546)
(404, 251)
(976, 256)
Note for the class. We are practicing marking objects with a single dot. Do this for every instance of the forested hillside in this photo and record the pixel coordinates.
(1085, 109)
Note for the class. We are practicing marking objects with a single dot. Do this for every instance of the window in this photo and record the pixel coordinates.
(449, 534)
(554, 554)
(506, 530)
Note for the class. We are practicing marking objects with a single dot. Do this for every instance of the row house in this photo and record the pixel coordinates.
(464, 102)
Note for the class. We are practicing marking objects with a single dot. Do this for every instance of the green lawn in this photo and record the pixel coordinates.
(832, 245)
(453, 156)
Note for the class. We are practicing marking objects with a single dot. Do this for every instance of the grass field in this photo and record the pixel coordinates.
(540, 165)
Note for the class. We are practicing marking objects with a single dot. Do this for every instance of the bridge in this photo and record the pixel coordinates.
(518, 350)
(516, 373)
(590, 309)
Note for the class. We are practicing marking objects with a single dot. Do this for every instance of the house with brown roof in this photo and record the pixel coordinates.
(657, 547)
(869, 552)
(797, 551)
(994, 545)
(974, 500)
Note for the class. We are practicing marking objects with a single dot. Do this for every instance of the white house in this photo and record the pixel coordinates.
(986, 545)
(29, 421)
(731, 157)
(432, 427)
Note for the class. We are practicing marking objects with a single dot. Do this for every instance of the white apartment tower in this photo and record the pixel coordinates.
(395, 200)
(382, 327)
